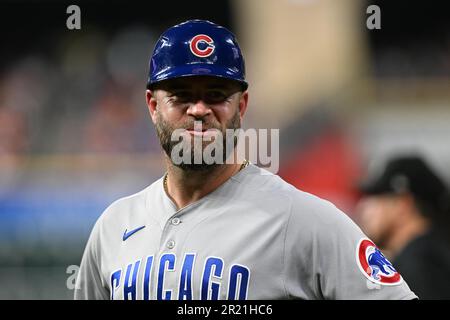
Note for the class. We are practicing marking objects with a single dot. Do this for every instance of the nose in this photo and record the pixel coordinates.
(199, 109)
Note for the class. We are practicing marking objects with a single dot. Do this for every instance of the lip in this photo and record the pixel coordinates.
(197, 133)
(192, 129)
(204, 132)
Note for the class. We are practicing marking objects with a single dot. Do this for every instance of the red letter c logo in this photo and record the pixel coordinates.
(202, 38)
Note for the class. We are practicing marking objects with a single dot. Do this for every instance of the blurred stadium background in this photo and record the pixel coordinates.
(75, 133)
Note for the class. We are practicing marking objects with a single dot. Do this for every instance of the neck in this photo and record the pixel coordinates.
(406, 232)
(185, 187)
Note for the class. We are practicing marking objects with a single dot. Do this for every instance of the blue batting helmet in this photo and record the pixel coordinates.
(197, 47)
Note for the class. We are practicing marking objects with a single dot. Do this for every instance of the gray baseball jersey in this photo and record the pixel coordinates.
(254, 237)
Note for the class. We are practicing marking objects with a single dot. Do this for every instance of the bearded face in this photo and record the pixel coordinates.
(197, 119)
(202, 141)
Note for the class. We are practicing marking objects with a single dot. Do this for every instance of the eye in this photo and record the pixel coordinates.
(215, 96)
(181, 96)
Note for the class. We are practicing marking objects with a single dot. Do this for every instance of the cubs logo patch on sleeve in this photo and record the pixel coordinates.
(374, 265)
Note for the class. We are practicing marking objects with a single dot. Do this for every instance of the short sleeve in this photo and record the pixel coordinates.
(89, 284)
(323, 260)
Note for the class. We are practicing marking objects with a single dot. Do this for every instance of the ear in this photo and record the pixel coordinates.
(406, 204)
(243, 103)
(151, 104)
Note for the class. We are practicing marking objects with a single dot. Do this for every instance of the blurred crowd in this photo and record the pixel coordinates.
(85, 97)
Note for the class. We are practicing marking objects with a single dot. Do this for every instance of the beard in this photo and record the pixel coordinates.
(165, 131)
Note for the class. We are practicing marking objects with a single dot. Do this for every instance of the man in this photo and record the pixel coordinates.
(404, 212)
(227, 229)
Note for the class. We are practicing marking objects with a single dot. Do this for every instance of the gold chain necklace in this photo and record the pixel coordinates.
(243, 165)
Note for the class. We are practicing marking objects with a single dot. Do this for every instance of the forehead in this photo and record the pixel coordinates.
(198, 82)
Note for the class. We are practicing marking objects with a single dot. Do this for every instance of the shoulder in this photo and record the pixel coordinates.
(129, 206)
(302, 207)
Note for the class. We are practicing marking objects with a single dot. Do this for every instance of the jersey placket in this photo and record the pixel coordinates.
(171, 251)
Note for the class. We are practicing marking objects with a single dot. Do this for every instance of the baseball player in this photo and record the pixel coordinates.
(223, 230)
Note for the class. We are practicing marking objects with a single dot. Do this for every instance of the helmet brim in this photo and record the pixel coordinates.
(197, 70)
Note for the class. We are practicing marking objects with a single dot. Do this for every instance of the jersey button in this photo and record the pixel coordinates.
(171, 244)
(176, 221)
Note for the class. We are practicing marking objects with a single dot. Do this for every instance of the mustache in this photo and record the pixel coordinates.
(198, 124)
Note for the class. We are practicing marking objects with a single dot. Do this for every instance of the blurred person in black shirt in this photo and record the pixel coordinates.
(405, 210)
